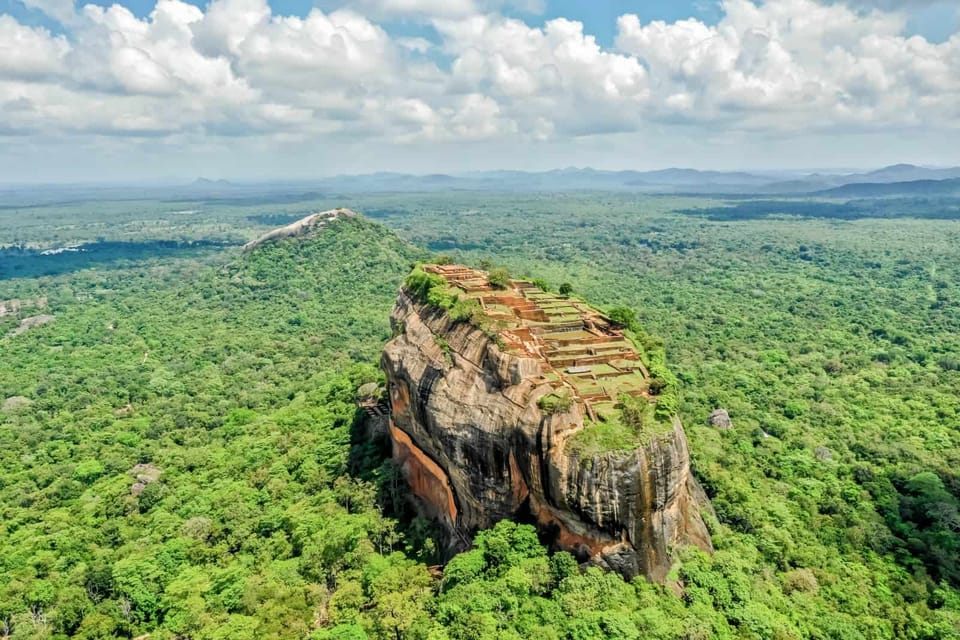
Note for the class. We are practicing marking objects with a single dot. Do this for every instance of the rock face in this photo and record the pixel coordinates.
(475, 447)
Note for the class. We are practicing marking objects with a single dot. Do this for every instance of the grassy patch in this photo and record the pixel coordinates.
(556, 402)
(611, 432)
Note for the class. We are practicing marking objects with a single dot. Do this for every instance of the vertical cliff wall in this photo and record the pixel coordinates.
(472, 439)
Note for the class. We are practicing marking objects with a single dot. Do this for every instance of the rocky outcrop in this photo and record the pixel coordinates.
(314, 221)
(11, 307)
(15, 404)
(31, 323)
(144, 474)
(720, 419)
(470, 436)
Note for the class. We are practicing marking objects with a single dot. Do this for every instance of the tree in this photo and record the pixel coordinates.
(341, 632)
(400, 590)
(565, 289)
(563, 565)
(499, 278)
(542, 284)
(631, 411)
(625, 317)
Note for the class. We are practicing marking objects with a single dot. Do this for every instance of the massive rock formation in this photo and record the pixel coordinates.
(477, 442)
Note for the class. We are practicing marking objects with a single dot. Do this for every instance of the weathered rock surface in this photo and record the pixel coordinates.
(145, 474)
(476, 448)
(30, 323)
(720, 419)
(15, 404)
(10, 307)
(300, 227)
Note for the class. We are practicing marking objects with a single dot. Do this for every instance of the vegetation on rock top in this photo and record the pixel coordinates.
(626, 424)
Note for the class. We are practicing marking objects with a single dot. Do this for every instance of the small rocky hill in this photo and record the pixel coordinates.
(333, 285)
(511, 402)
(312, 222)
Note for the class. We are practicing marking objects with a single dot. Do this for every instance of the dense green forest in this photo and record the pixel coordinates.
(180, 453)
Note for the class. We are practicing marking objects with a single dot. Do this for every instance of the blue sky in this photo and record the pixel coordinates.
(246, 89)
(599, 18)
(935, 20)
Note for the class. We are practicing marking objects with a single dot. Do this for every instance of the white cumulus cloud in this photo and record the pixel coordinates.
(795, 63)
(237, 69)
(557, 72)
(27, 52)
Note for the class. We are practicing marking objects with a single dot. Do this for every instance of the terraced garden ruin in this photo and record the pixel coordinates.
(586, 357)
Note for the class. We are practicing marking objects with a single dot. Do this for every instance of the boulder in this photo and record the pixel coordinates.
(720, 419)
(144, 474)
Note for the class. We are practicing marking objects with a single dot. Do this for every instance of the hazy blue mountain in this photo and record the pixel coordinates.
(888, 189)
(693, 177)
(910, 173)
(206, 182)
(893, 174)
(671, 180)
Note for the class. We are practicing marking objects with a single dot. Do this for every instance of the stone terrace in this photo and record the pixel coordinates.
(579, 349)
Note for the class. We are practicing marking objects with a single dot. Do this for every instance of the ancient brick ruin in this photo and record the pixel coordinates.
(581, 352)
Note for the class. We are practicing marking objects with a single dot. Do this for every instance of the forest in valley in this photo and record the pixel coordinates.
(182, 456)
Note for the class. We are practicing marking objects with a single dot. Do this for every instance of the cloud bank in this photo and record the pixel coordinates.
(237, 69)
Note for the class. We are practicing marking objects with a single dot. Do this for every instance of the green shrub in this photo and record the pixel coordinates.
(419, 283)
(439, 297)
(499, 278)
(625, 317)
(542, 284)
(631, 411)
(802, 580)
(467, 310)
(88, 471)
(556, 402)
(794, 409)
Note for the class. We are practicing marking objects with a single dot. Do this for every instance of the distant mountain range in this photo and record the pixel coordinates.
(672, 180)
(900, 180)
(915, 188)
(570, 179)
(887, 175)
